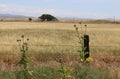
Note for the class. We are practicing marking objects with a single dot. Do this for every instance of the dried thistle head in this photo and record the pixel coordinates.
(22, 36)
(75, 26)
(85, 25)
(27, 39)
(18, 40)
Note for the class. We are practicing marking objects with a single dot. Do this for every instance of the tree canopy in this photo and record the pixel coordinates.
(47, 17)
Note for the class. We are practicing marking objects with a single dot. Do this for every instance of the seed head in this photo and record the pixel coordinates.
(85, 25)
(22, 36)
(74, 25)
(27, 39)
(18, 40)
(76, 28)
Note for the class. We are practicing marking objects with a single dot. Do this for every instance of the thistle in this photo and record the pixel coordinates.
(81, 38)
(25, 72)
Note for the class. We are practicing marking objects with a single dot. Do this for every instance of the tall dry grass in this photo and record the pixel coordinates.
(49, 41)
(103, 37)
(58, 38)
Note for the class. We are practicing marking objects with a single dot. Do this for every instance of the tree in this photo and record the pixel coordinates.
(47, 17)
(30, 19)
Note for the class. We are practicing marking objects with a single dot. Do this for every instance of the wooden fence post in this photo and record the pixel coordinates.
(86, 46)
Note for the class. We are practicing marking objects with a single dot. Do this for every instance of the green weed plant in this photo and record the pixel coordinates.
(80, 36)
(24, 72)
(63, 71)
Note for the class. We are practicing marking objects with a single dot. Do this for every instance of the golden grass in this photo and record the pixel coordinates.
(48, 39)
(103, 37)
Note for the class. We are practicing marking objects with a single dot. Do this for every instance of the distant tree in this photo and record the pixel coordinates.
(30, 19)
(47, 17)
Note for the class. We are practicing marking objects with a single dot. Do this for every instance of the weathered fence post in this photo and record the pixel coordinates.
(86, 46)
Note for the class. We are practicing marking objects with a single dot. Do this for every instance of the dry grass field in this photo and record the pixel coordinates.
(53, 39)
(101, 35)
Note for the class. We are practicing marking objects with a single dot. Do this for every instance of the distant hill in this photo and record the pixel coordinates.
(5, 16)
(11, 17)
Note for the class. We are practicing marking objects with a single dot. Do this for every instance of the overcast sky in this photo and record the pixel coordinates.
(62, 8)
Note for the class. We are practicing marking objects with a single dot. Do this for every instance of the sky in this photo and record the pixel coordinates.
(62, 8)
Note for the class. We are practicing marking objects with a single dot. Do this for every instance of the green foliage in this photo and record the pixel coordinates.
(24, 72)
(63, 71)
(6, 75)
(46, 72)
(47, 17)
(91, 72)
(51, 72)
